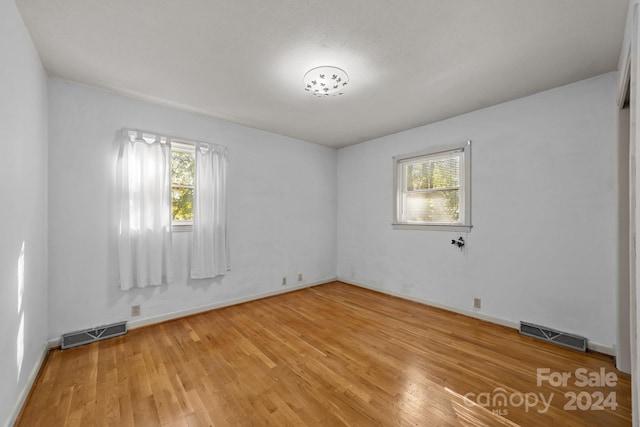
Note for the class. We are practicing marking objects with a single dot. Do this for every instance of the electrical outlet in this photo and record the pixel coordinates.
(135, 310)
(284, 281)
(299, 277)
(477, 303)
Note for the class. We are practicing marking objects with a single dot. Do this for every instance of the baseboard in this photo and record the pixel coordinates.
(608, 350)
(208, 307)
(599, 348)
(24, 393)
(133, 324)
(54, 343)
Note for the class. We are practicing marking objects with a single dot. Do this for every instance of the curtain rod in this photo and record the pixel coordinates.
(172, 138)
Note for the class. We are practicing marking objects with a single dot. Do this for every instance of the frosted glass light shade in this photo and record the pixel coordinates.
(326, 81)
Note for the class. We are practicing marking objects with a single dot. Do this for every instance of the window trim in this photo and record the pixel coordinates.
(465, 186)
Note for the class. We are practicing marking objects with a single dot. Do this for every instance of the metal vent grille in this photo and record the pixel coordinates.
(74, 339)
(551, 335)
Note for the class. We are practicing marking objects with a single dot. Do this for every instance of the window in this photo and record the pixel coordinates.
(159, 181)
(433, 189)
(182, 184)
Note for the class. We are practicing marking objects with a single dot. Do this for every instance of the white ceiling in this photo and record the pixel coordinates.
(410, 62)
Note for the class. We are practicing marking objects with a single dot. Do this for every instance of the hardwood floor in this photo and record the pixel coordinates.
(330, 355)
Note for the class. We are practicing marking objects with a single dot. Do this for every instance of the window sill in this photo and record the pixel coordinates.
(432, 227)
(179, 228)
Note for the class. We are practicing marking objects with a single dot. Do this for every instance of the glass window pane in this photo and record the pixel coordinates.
(182, 168)
(182, 199)
(442, 207)
(433, 174)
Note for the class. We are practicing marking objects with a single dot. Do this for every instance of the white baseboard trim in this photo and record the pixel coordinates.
(139, 323)
(133, 324)
(600, 348)
(608, 350)
(54, 343)
(24, 393)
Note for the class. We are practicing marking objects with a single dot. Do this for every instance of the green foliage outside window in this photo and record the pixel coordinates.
(433, 174)
(182, 182)
(436, 183)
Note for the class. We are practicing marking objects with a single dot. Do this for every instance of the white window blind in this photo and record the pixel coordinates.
(433, 188)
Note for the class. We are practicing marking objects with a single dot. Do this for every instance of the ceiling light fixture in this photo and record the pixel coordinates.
(325, 81)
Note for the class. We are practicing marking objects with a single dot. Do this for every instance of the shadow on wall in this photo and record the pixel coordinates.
(20, 337)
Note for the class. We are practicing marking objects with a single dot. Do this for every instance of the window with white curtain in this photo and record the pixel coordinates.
(433, 189)
(165, 182)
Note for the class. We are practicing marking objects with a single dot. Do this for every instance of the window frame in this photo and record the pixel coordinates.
(185, 147)
(464, 188)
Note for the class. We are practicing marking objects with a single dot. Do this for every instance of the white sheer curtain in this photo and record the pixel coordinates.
(210, 255)
(144, 206)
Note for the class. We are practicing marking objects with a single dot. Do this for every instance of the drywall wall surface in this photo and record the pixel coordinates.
(543, 244)
(281, 201)
(23, 212)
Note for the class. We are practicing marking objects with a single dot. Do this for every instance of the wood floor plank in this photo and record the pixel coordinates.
(329, 355)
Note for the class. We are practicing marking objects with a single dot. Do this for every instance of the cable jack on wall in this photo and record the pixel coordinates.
(459, 242)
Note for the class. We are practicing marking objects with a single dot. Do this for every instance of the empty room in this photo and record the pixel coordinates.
(323, 213)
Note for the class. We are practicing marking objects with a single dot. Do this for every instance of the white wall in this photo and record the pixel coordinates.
(23, 211)
(282, 210)
(543, 244)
